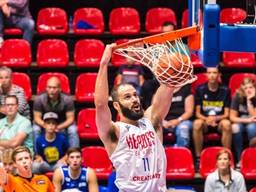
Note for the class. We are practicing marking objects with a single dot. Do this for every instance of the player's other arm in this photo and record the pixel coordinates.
(57, 180)
(92, 181)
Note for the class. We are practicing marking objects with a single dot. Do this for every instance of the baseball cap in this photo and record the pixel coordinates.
(50, 115)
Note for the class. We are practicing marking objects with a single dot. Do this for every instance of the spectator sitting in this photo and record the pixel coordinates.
(6, 160)
(243, 115)
(178, 117)
(15, 13)
(212, 112)
(7, 88)
(224, 178)
(75, 176)
(24, 180)
(53, 100)
(131, 73)
(50, 147)
(15, 129)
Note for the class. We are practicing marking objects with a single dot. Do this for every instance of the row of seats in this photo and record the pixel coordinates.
(88, 53)
(177, 168)
(122, 20)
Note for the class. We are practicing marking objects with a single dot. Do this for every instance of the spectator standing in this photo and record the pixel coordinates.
(53, 100)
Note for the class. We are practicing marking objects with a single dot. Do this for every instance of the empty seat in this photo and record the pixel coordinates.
(88, 21)
(208, 160)
(52, 21)
(88, 53)
(232, 15)
(195, 60)
(185, 18)
(118, 60)
(13, 31)
(156, 17)
(52, 53)
(16, 53)
(236, 80)
(85, 87)
(253, 189)
(23, 80)
(179, 163)
(42, 80)
(248, 163)
(124, 21)
(96, 157)
(238, 60)
(86, 125)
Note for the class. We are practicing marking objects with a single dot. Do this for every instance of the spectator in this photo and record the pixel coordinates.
(15, 13)
(243, 115)
(50, 147)
(179, 115)
(224, 178)
(7, 88)
(212, 111)
(53, 100)
(24, 180)
(15, 129)
(131, 73)
(75, 176)
(6, 160)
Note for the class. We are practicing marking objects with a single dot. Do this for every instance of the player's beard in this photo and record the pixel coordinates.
(128, 113)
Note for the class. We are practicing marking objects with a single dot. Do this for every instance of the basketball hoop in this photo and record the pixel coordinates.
(164, 54)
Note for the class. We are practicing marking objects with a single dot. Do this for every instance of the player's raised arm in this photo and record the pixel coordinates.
(103, 113)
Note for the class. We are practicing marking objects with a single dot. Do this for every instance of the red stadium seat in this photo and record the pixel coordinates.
(88, 53)
(23, 80)
(238, 59)
(118, 60)
(49, 175)
(97, 158)
(208, 160)
(248, 163)
(13, 31)
(232, 15)
(236, 80)
(253, 189)
(196, 62)
(156, 17)
(42, 80)
(52, 53)
(16, 53)
(201, 78)
(52, 21)
(86, 125)
(124, 21)
(92, 17)
(185, 21)
(179, 163)
(85, 87)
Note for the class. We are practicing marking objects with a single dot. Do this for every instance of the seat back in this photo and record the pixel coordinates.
(248, 163)
(88, 21)
(23, 80)
(177, 167)
(208, 160)
(236, 80)
(185, 18)
(238, 59)
(42, 82)
(253, 189)
(85, 87)
(156, 17)
(118, 60)
(52, 53)
(232, 15)
(88, 53)
(16, 53)
(52, 21)
(124, 21)
(97, 158)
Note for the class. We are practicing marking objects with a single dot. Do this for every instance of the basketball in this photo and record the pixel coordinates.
(173, 68)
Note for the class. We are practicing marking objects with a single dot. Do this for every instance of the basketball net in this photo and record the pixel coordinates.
(169, 61)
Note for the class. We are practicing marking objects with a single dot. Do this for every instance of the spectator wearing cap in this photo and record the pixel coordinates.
(15, 129)
(50, 146)
(53, 100)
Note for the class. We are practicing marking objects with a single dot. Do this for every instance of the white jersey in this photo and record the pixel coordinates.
(139, 159)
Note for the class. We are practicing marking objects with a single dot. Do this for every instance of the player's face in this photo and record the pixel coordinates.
(223, 162)
(23, 163)
(5, 79)
(75, 160)
(129, 103)
(212, 74)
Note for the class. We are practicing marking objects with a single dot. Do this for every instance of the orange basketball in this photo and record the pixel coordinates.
(173, 67)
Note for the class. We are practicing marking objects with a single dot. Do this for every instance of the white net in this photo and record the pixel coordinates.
(169, 61)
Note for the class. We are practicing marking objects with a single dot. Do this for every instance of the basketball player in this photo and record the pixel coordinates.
(134, 144)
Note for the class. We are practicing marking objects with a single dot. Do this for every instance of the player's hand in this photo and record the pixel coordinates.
(107, 54)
